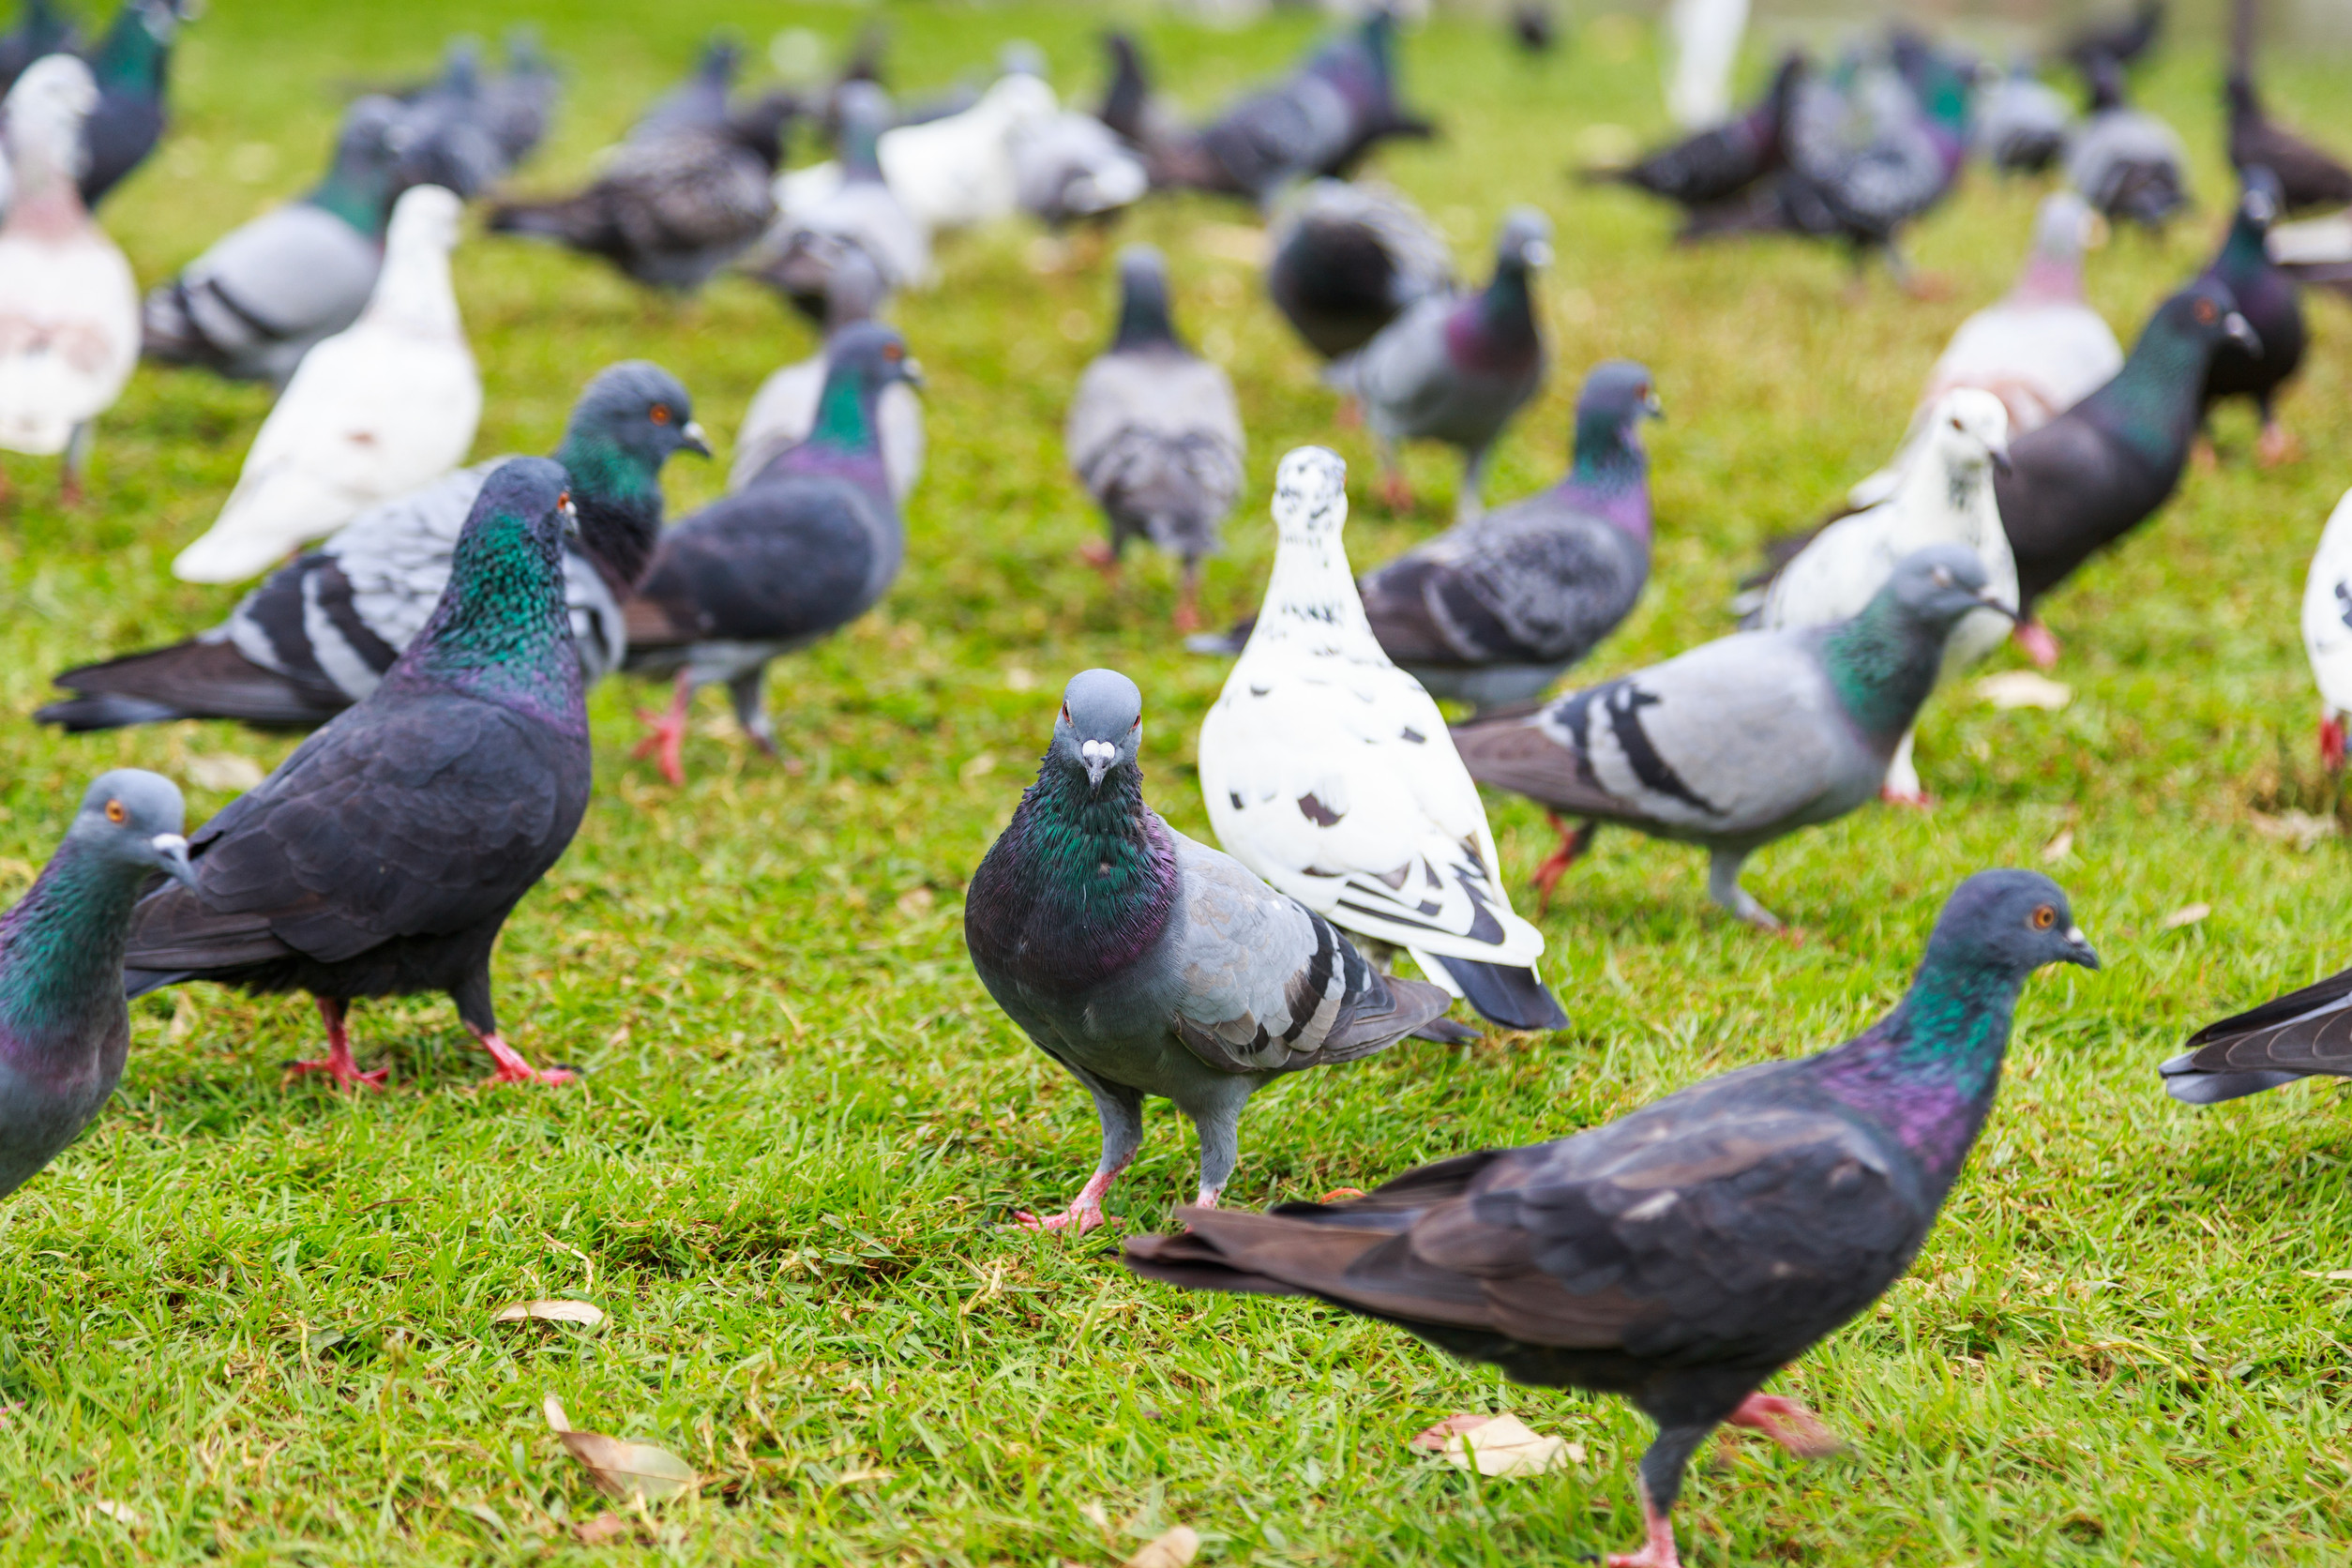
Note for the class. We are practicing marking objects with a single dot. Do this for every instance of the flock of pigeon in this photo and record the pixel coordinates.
(436, 627)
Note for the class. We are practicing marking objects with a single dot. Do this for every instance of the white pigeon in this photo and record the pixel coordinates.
(2040, 350)
(1945, 497)
(2328, 628)
(1330, 773)
(955, 172)
(1707, 36)
(1067, 165)
(370, 413)
(68, 305)
(784, 410)
(846, 203)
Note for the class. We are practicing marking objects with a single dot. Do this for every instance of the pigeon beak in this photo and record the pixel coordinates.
(2079, 950)
(1651, 406)
(571, 519)
(2237, 329)
(1536, 252)
(911, 371)
(1985, 596)
(171, 850)
(690, 436)
(1998, 452)
(1097, 756)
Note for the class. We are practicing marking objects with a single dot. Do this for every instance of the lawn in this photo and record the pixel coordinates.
(252, 1316)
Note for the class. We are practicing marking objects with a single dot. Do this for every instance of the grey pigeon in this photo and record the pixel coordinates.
(383, 855)
(858, 215)
(697, 103)
(2098, 471)
(1455, 367)
(1681, 1256)
(1742, 740)
(670, 209)
(64, 1029)
(322, 630)
(2119, 40)
(1070, 166)
(2308, 178)
(1345, 258)
(2271, 303)
(252, 305)
(1145, 963)
(2304, 1033)
(446, 130)
(132, 65)
(2022, 122)
(2126, 162)
(1721, 162)
(1493, 611)
(1155, 434)
(801, 551)
(784, 409)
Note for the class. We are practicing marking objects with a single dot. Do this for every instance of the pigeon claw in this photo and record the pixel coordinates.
(2276, 444)
(1075, 1219)
(1918, 800)
(2039, 644)
(511, 1067)
(666, 739)
(1396, 494)
(1100, 556)
(1787, 1422)
(343, 1069)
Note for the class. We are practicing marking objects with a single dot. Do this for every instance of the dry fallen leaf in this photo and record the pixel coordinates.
(2327, 1273)
(1501, 1445)
(603, 1528)
(1433, 1440)
(122, 1514)
(627, 1471)
(2187, 915)
(1232, 242)
(224, 770)
(549, 1312)
(2061, 845)
(1607, 147)
(2023, 688)
(1171, 1550)
(2301, 828)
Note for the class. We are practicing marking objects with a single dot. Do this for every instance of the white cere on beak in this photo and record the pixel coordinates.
(1097, 753)
(2075, 935)
(166, 842)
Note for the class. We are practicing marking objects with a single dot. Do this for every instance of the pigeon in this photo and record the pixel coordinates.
(959, 172)
(2022, 122)
(1533, 27)
(68, 305)
(804, 549)
(699, 103)
(823, 222)
(382, 857)
(370, 413)
(784, 409)
(41, 29)
(2040, 349)
(2282, 1040)
(2268, 298)
(1346, 257)
(2327, 630)
(1491, 613)
(1327, 771)
(252, 305)
(64, 1029)
(2307, 177)
(2118, 42)
(2101, 469)
(1070, 166)
(515, 105)
(1154, 435)
(1742, 740)
(322, 630)
(1148, 964)
(446, 137)
(1706, 34)
(1945, 496)
(1718, 162)
(670, 208)
(1130, 109)
(2126, 162)
(1682, 1254)
(1321, 119)
(1455, 367)
(2317, 251)
(131, 65)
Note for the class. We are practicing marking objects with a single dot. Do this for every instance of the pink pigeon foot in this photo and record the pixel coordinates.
(667, 738)
(1658, 1551)
(1084, 1214)
(1573, 844)
(1787, 1422)
(338, 1064)
(1916, 800)
(1100, 556)
(2037, 642)
(512, 1068)
(2331, 743)
(2276, 444)
(1396, 494)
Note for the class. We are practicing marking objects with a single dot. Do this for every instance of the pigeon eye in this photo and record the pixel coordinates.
(114, 812)
(893, 352)
(2044, 917)
(1942, 579)
(2205, 312)
(1065, 713)
(564, 502)
(659, 415)
(1957, 425)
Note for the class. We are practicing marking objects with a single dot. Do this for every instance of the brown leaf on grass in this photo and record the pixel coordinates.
(603, 1528)
(2187, 915)
(1171, 1550)
(2298, 828)
(2023, 689)
(549, 1312)
(1435, 1439)
(2061, 844)
(626, 1471)
(122, 1514)
(1498, 1445)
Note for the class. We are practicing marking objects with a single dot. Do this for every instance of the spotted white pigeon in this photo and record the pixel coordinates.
(1945, 497)
(2328, 628)
(1328, 771)
(370, 413)
(68, 305)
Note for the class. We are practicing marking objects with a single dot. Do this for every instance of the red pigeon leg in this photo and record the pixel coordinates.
(667, 739)
(1787, 1422)
(2331, 742)
(1085, 1211)
(2039, 645)
(512, 1068)
(1102, 557)
(1573, 844)
(338, 1064)
(1658, 1551)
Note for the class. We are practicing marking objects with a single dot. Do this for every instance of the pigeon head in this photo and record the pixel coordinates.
(865, 113)
(1100, 726)
(2205, 313)
(44, 114)
(1609, 473)
(1617, 396)
(1143, 307)
(424, 219)
(358, 188)
(2064, 226)
(758, 126)
(1310, 499)
(1525, 241)
(636, 410)
(2261, 200)
(2008, 923)
(853, 288)
(1968, 430)
(1932, 588)
(132, 819)
(859, 361)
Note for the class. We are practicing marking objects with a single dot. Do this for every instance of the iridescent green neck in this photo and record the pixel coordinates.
(1084, 880)
(2153, 401)
(502, 632)
(61, 948)
(602, 470)
(130, 56)
(359, 196)
(1883, 664)
(1928, 1071)
(845, 417)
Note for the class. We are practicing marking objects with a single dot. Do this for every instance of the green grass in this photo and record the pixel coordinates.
(257, 1313)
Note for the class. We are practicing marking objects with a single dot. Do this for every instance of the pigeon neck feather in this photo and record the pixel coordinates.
(1610, 476)
(1081, 885)
(2154, 401)
(619, 500)
(1312, 608)
(1928, 1071)
(414, 294)
(1883, 664)
(45, 148)
(130, 58)
(1950, 484)
(1498, 330)
(501, 632)
(61, 952)
(358, 190)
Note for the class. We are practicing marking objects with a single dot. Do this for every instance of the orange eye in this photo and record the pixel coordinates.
(114, 812)
(660, 416)
(2205, 312)
(563, 501)
(893, 352)
(1065, 713)
(2044, 917)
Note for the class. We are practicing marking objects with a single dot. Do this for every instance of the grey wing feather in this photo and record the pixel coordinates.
(267, 292)
(1400, 374)
(1156, 438)
(1270, 987)
(396, 555)
(1530, 582)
